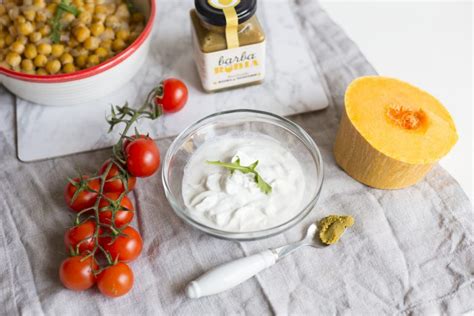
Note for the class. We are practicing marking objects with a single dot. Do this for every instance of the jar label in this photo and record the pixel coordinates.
(231, 19)
(230, 67)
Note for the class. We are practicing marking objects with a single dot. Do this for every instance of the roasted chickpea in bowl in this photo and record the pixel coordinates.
(66, 52)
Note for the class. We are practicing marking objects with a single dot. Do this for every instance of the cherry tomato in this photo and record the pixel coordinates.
(123, 211)
(127, 141)
(116, 185)
(76, 273)
(175, 95)
(82, 235)
(125, 247)
(85, 198)
(143, 157)
(116, 280)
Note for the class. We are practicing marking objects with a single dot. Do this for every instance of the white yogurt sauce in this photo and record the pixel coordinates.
(233, 202)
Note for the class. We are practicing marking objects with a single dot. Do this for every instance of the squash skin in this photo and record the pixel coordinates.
(368, 165)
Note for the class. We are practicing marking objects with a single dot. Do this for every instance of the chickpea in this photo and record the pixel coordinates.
(92, 43)
(108, 34)
(93, 60)
(17, 47)
(100, 9)
(41, 72)
(97, 29)
(14, 12)
(39, 4)
(13, 59)
(57, 50)
(41, 16)
(67, 18)
(20, 19)
(8, 39)
(40, 60)
(22, 39)
(73, 43)
(102, 53)
(122, 11)
(2, 9)
(85, 17)
(123, 34)
(110, 8)
(78, 3)
(29, 14)
(81, 60)
(66, 58)
(78, 51)
(89, 7)
(44, 48)
(107, 44)
(118, 45)
(35, 37)
(4, 20)
(2, 44)
(30, 51)
(112, 21)
(27, 65)
(82, 33)
(68, 68)
(45, 30)
(51, 8)
(99, 18)
(53, 66)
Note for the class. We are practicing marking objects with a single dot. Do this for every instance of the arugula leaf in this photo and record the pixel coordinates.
(65, 6)
(233, 166)
(56, 27)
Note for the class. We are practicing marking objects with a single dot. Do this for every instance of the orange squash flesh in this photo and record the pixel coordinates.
(391, 133)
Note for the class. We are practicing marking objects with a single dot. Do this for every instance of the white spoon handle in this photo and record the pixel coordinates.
(230, 274)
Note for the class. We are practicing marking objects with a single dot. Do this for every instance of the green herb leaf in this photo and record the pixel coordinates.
(65, 6)
(233, 166)
(56, 26)
(262, 185)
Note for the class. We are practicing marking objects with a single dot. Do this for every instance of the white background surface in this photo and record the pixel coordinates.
(428, 44)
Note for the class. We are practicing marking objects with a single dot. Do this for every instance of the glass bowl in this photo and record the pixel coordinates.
(237, 122)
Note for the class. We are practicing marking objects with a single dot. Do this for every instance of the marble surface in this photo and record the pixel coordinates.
(292, 86)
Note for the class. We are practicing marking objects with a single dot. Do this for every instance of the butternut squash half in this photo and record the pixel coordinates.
(391, 133)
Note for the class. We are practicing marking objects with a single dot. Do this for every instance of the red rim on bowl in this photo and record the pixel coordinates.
(81, 74)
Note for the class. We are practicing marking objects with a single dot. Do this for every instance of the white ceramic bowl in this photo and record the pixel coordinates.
(88, 84)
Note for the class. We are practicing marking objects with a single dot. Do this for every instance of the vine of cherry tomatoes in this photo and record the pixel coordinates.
(102, 243)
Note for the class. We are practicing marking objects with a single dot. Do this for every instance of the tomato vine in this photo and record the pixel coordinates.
(98, 197)
(101, 225)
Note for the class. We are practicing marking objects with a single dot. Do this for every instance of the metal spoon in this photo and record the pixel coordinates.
(232, 273)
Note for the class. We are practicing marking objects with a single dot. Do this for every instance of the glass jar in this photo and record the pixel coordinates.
(229, 43)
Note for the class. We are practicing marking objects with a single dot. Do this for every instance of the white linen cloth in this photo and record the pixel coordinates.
(409, 252)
